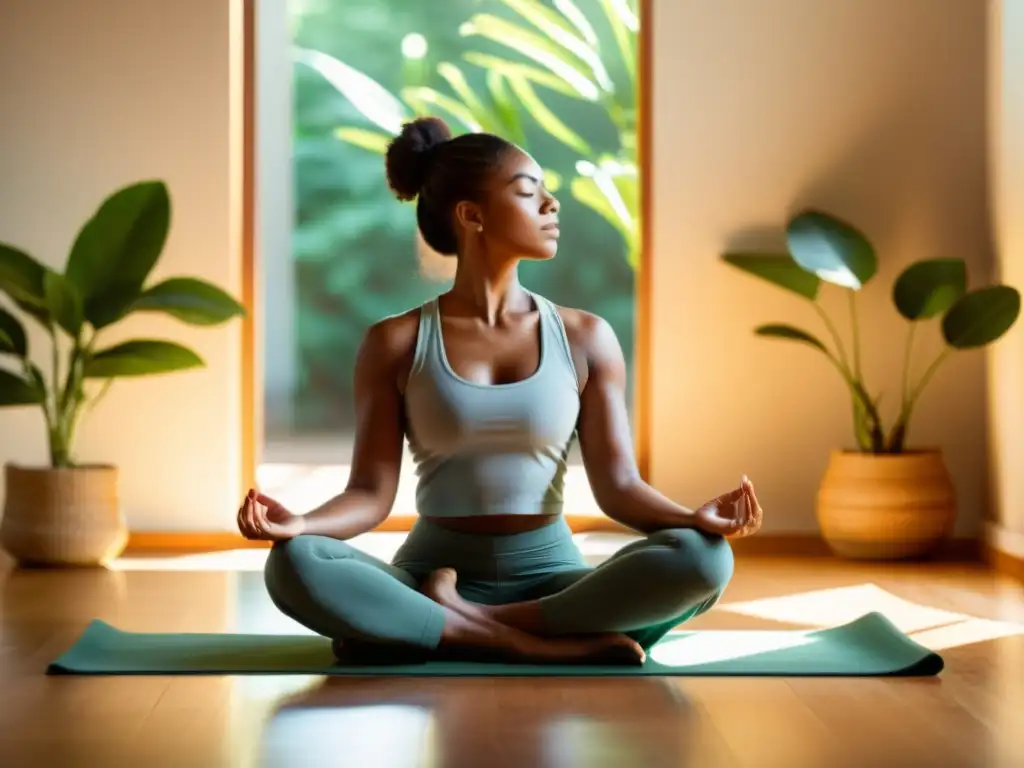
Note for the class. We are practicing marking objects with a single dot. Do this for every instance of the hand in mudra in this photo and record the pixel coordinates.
(262, 518)
(734, 514)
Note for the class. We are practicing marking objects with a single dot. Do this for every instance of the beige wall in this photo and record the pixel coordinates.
(873, 108)
(1006, 381)
(95, 95)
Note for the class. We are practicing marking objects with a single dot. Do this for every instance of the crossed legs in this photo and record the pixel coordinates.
(609, 613)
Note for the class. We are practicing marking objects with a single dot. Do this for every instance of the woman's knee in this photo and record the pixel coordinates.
(702, 561)
(296, 560)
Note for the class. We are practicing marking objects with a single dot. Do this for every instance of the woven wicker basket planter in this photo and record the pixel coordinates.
(62, 517)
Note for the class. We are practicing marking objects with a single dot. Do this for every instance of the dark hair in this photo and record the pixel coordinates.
(425, 161)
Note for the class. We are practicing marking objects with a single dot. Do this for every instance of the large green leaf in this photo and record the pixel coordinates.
(64, 303)
(141, 358)
(21, 277)
(14, 332)
(928, 288)
(535, 47)
(190, 300)
(14, 390)
(118, 248)
(981, 316)
(545, 118)
(831, 249)
(783, 331)
(777, 269)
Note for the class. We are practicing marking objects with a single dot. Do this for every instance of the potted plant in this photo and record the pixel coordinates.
(882, 499)
(68, 513)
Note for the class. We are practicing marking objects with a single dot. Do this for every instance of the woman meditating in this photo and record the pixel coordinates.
(491, 384)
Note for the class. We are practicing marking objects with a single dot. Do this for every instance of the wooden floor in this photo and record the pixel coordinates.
(972, 715)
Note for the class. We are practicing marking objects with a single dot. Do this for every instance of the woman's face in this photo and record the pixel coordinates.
(518, 215)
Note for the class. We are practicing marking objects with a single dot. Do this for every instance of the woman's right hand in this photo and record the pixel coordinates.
(262, 518)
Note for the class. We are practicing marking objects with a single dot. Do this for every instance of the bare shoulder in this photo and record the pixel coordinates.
(596, 351)
(389, 345)
(591, 334)
(395, 334)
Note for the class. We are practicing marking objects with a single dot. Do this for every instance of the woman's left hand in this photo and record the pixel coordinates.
(733, 514)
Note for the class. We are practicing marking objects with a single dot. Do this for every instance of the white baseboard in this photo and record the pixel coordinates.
(1006, 541)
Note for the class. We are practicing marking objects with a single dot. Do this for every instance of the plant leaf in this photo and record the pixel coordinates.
(190, 300)
(481, 113)
(534, 75)
(505, 106)
(535, 47)
(141, 358)
(423, 96)
(783, 331)
(545, 118)
(14, 332)
(374, 101)
(928, 288)
(778, 269)
(586, 191)
(21, 277)
(554, 28)
(624, 25)
(117, 249)
(578, 19)
(64, 303)
(831, 249)
(981, 316)
(360, 137)
(14, 390)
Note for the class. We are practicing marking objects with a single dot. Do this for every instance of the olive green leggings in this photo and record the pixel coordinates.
(645, 589)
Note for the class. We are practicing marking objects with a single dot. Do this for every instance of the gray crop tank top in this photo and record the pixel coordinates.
(496, 449)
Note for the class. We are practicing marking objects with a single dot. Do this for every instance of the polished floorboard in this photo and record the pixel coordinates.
(971, 715)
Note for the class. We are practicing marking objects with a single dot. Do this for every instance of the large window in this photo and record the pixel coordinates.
(558, 77)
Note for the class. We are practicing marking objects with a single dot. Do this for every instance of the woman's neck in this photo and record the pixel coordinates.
(489, 290)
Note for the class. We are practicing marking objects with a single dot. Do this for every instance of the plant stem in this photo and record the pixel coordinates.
(855, 328)
(836, 339)
(905, 390)
(929, 372)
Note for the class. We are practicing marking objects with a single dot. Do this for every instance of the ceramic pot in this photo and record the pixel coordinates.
(886, 506)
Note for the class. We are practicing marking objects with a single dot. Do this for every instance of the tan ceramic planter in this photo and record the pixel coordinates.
(886, 507)
(58, 517)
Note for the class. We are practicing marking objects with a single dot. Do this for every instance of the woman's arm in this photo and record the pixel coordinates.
(380, 429)
(605, 439)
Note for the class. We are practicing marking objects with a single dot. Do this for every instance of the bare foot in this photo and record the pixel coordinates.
(440, 587)
(469, 628)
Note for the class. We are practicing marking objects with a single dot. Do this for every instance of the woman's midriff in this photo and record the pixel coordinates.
(494, 525)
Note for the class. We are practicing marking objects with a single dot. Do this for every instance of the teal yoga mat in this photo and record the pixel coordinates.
(868, 646)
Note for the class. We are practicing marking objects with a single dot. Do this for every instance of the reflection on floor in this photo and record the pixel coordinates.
(969, 716)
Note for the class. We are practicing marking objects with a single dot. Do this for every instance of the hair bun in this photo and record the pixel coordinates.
(410, 155)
